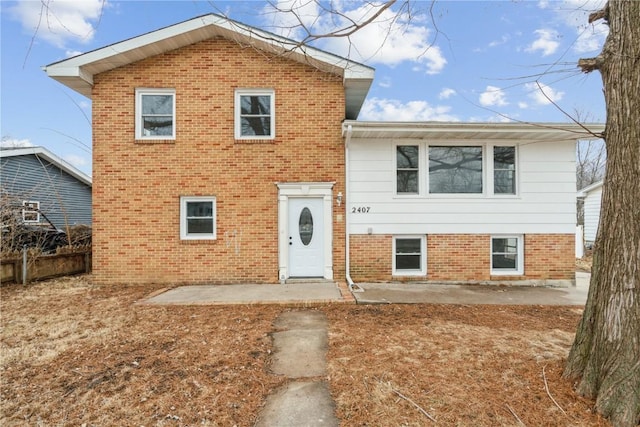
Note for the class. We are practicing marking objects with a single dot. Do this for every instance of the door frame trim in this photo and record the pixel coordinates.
(323, 190)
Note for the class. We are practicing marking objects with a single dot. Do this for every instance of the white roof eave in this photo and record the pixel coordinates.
(77, 72)
(472, 130)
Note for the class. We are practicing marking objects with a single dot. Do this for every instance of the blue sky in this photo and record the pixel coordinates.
(455, 61)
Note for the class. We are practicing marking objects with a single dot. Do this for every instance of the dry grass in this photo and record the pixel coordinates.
(73, 353)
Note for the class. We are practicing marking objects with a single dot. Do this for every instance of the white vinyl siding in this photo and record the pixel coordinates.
(545, 200)
(592, 204)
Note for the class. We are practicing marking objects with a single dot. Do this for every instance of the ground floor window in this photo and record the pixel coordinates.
(197, 218)
(507, 255)
(409, 256)
(31, 211)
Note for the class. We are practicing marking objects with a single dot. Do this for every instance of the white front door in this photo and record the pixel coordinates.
(306, 237)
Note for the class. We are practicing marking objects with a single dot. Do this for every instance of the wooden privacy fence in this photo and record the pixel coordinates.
(64, 263)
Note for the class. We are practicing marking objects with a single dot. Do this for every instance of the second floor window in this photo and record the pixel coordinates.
(255, 115)
(504, 170)
(155, 114)
(455, 169)
(407, 169)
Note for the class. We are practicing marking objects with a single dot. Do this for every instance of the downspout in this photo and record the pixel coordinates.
(347, 265)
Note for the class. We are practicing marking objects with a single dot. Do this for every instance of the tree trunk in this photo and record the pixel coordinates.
(605, 357)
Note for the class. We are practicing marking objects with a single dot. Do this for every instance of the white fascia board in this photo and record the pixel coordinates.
(192, 31)
(568, 131)
(590, 188)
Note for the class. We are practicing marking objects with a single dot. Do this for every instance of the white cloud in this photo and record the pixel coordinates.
(523, 105)
(385, 82)
(493, 97)
(59, 22)
(8, 142)
(575, 14)
(75, 160)
(390, 39)
(395, 110)
(447, 93)
(543, 94)
(547, 42)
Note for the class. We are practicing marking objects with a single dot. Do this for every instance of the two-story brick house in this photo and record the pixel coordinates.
(225, 154)
(212, 143)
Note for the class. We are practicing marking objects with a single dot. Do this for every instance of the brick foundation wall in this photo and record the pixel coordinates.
(137, 184)
(464, 257)
(550, 256)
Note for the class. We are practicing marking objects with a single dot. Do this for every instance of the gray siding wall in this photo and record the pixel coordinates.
(63, 199)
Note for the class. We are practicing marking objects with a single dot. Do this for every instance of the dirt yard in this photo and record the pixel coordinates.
(82, 355)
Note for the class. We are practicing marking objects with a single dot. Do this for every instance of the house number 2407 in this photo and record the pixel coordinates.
(360, 209)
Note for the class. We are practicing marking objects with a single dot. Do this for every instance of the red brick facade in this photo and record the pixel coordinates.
(464, 257)
(137, 184)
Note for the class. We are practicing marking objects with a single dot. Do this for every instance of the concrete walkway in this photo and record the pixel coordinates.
(406, 293)
(309, 293)
(300, 351)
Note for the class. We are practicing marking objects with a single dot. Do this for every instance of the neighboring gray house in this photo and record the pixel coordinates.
(592, 195)
(35, 180)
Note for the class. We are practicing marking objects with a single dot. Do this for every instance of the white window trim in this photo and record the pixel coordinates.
(237, 110)
(487, 169)
(490, 177)
(31, 210)
(183, 218)
(139, 126)
(421, 168)
(519, 271)
(423, 256)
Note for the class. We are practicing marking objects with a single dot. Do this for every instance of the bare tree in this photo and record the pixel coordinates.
(591, 160)
(605, 357)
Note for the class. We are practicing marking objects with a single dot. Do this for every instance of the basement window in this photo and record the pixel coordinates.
(507, 255)
(409, 256)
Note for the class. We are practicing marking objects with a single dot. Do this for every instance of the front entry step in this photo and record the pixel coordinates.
(305, 280)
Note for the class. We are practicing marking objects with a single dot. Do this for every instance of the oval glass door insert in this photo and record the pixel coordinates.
(305, 226)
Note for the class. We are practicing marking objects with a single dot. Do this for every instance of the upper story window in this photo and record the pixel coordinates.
(504, 170)
(255, 114)
(155, 114)
(30, 211)
(407, 169)
(455, 169)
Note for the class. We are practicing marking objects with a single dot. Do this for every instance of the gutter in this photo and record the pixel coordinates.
(347, 265)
